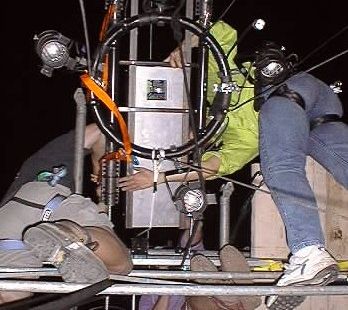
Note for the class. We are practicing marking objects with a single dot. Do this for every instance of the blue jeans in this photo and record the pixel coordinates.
(286, 140)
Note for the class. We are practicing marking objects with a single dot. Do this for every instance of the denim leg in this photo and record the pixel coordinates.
(328, 145)
(284, 139)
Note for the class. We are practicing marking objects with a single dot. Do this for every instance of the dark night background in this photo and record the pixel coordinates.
(35, 109)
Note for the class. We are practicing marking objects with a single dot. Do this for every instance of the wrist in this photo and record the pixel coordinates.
(161, 178)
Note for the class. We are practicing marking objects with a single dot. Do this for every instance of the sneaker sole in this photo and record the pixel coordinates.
(324, 277)
(78, 264)
(287, 302)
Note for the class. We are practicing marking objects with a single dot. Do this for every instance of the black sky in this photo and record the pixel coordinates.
(36, 108)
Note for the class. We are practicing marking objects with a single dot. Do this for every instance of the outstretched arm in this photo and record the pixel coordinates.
(144, 178)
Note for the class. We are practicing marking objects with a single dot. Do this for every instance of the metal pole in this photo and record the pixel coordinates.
(203, 53)
(195, 275)
(150, 274)
(227, 190)
(133, 37)
(110, 168)
(133, 302)
(184, 290)
(80, 127)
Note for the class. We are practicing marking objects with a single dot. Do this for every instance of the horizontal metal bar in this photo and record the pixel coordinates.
(152, 110)
(145, 280)
(158, 276)
(197, 275)
(6, 273)
(186, 290)
(148, 63)
(158, 261)
(27, 269)
(139, 275)
(173, 252)
(169, 257)
(152, 274)
(175, 260)
(154, 257)
(153, 277)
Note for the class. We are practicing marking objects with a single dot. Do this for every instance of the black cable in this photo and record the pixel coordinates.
(328, 60)
(259, 95)
(239, 39)
(246, 78)
(77, 297)
(174, 23)
(85, 29)
(192, 121)
(277, 85)
(323, 44)
(221, 16)
(301, 62)
(194, 228)
(178, 37)
(126, 5)
(244, 210)
(226, 10)
(189, 242)
(223, 178)
(243, 70)
(28, 302)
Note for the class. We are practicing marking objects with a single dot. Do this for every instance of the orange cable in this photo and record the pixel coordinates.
(111, 105)
(106, 21)
(105, 72)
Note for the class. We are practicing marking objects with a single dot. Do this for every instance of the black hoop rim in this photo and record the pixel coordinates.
(220, 103)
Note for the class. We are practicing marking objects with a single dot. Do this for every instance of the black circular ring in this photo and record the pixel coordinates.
(220, 103)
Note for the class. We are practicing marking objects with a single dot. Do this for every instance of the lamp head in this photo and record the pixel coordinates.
(54, 51)
(190, 199)
(272, 64)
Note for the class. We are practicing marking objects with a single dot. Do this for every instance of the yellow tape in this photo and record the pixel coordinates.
(343, 265)
(270, 265)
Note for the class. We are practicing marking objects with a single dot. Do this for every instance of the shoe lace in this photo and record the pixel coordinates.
(294, 264)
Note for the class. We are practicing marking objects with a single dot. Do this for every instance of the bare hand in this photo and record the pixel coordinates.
(174, 58)
(143, 178)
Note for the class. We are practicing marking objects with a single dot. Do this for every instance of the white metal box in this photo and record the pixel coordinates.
(157, 119)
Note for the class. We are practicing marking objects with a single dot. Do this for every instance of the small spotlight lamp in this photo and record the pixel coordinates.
(190, 199)
(53, 49)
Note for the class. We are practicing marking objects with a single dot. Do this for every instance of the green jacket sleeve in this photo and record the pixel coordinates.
(240, 137)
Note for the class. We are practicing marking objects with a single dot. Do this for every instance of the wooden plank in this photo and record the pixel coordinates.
(267, 231)
(268, 239)
(337, 220)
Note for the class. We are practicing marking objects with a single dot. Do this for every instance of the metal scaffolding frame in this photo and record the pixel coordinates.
(175, 289)
(168, 281)
(168, 277)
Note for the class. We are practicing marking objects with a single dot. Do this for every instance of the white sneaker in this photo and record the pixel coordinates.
(311, 265)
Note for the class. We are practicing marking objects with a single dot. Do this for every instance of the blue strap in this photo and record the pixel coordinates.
(53, 204)
(12, 244)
